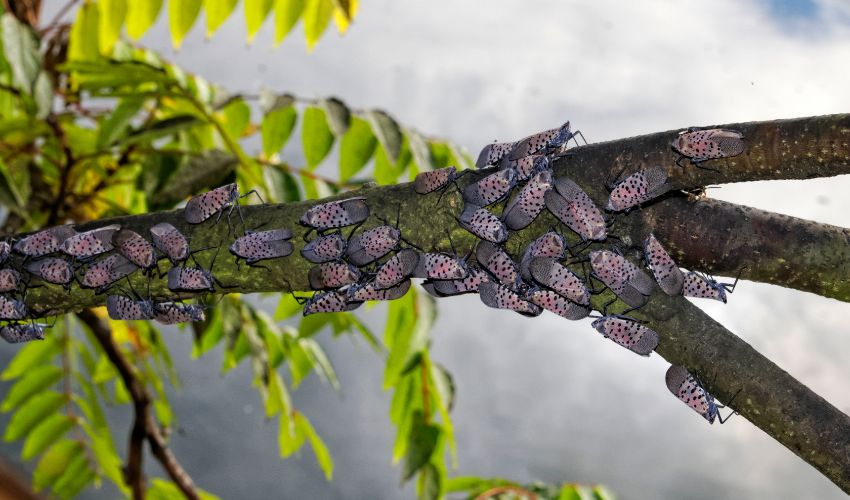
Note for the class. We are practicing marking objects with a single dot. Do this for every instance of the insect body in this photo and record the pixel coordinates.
(335, 214)
(44, 242)
(447, 288)
(15, 333)
(168, 240)
(701, 145)
(135, 248)
(190, 279)
(704, 287)
(522, 210)
(106, 271)
(428, 182)
(482, 223)
(526, 166)
(366, 291)
(12, 308)
(498, 262)
(10, 280)
(550, 244)
(373, 244)
(498, 296)
(331, 301)
(331, 275)
(557, 304)
(125, 308)
(492, 153)
(490, 189)
(90, 243)
(256, 246)
(687, 388)
(549, 273)
(668, 275)
(440, 266)
(324, 248)
(395, 270)
(5, 251)
(545, 141)
(628, 333)
(637, 188)
(572, 206)
(172, 313)
(52, 270)
(623, 278)
(204, 206)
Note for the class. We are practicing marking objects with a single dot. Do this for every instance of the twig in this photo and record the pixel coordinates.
(65, 169)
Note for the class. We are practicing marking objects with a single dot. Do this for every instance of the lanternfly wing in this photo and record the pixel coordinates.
(637, 188)
(398, 268)
(90, 243)
(271, 244)
(498, 262)
(12, 308)
(52, 270)
(171, 313)
(440, 266)
(330, 275)
(698, 286)
(549, 273)
(335, 214)
(107, 271)
(550, 244)
(331, 301)
(572, 206)
(447, 288)
(44, 242)
(685, 386)
(373, 244)
(557, 304)
(490, 189)
(711, 143)
(629, 334)
(530, 201)
(204, 206)
(498, 296)
(170, 241)
(124, 308)
(482, 223)
(492, 153)
(428, 182)
(9, 280)
(367, 291)
(628, 282)
(540, 141)
(668, 275)
(324, 248)
(189, 279)
(134, 247)
(17, 333)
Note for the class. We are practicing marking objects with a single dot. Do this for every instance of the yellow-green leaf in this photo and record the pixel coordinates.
(323, 456)
(32, 413)
(110, 19)
(235, 118)
(141, 15)
(83, 42)
(387, 131)
(357, 147)
(287, 307)
(256, 12)
(46, 433)
(286, 14)
(217, 12)
(421, 443)
(339, 116)
(33, 382)
(316, 136)
(276, 128)
(344, 13)
(54, 462)
(181, 16)
(31, 355)
(317, 15)
(76, 468)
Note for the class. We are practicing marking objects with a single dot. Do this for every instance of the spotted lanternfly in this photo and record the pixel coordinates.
(490, 189)
(498, 262)
(526, 166)
(522, 210)
(704, 287)
(16, 333)
(336, 214)
(44, 242)
(550, 244)
(90, 243)
(492, 153)
(9, 280)
(428, 182)
(256, 246)
(551, 301)
(331, 301)
(190, 279)
(687, 388)
(482, 223)
(136, 249)
(668, 275)
(499, 296)
(5, 251)
(542, 141)
(168, 240)
(330, 275)
(324, 248)
(12, 308)
(51, 270)
(572, 206)
(125, 308)
(396, 269)
(549, 273)
(625, 279)
(628, 333)
(204, 206)
(448, 288)
(701, 145)
(171, 313)
(440, 266)
(638, 188)
(362, 292)
(373, 244)
(106, 271)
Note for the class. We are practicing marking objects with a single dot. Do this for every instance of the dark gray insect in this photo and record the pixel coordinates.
(498, 262)
(362, 292)
(5, 251)
(335, 214)
(44, 242)
(256, 246)
(171, 242)
(702, 145)
(625, 279)
(553, 302)
(701, 286)
(550, 244)
(373, 244)
(135, 248)
(527, 166)
(172, 313)
(448, 288)
(396, 269)
(10, 280)
(90, 243)
(552, 139)
(106, 271)
(330, 275)
(12, 308)
(493, 153)
(482, 223)
(628, 333)
(499, 296)
(124, 308)
(440, 266)
(572, 206)
(204, 206)
(524, 208)
(324, 248)
(331, 301)
(190, 279)
(490, 189)
(637, 189)
(549, 273)
(428, 182)
(668, 275)
(52, 270)
(690, 391)
(16, 333)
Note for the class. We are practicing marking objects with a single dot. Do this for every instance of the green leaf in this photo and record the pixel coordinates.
(317, 15)
(111, 19)
(54, 462)
(161, 128)
(421, 443)
(474, 485)
(10, 195)
(32, 413)
(323, 456)
(217, 12)
(281, 185)
(339, 116)
(357, 147)
(420, 150)
(430, 483)
(602, 493)
(21, 50)
(77, 467)
(31, 355)
(161, 489)
(43, 95)
(387, 131)
(141, 14)
(287, 307)
(256, 12)
(276, 128)
(320, 361)
(45, 434)
(385, 171)
(286, 14)
(116, 124)
(316, 136)
(278, 400)
(33, 382)
(83, 42)
(236, 117)
(575, 492)
(289, 439)
(181, 16)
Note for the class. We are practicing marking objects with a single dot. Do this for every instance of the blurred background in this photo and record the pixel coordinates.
(540, 399)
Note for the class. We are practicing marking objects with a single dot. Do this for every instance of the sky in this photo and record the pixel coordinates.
(545, 399)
